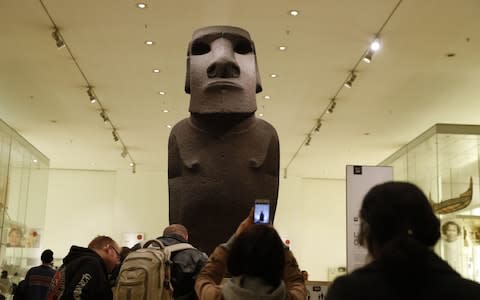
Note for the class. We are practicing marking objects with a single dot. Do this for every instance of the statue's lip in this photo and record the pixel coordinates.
(223, 83)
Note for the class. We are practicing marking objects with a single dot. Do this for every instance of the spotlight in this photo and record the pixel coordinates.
(58, 38)
(91, 95)
(165, 109)
(368, 57)
(293, 12)
(350, 81)
(115, 135)
(133, 165)
(332, 106)
(375, 45)
(309, 139)
(104, 116)
(124, 152)
(319, 124)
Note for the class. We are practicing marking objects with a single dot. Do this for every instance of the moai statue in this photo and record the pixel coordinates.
(222, 157)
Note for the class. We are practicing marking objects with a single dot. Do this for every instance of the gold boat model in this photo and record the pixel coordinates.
(454, 204)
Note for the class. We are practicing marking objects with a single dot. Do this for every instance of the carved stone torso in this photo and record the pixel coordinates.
(214, 177)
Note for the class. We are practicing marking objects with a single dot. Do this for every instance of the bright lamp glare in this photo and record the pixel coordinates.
(375, 45)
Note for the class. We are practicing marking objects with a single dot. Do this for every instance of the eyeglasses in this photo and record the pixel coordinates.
(116, 252)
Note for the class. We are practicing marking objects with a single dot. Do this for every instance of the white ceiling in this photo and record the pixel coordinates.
(410, 85)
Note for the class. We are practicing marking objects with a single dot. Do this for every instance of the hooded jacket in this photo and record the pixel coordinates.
(83, 275)
(252, 288)
(208, 285)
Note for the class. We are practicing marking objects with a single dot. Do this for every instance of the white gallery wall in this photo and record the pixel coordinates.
(79, 206)
(83, 204)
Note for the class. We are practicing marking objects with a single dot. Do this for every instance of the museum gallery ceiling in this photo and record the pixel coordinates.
(425, 72)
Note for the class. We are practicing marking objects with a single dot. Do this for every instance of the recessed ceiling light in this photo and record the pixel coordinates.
(273, 75)
(35, 160)
(149, 43)
(169, 126)
(141, 5)
(260, 115)
(165, 110)
(162, 93)
(156, 70)
(294, 12)
(266, 97)
(282, 48)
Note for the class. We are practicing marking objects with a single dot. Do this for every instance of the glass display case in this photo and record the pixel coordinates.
(444, 163)
(23, 196)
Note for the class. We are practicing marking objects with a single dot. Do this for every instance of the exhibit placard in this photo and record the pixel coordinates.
(360, 179)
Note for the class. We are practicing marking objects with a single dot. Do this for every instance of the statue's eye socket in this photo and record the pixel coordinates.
(199, 48)
(243, 47)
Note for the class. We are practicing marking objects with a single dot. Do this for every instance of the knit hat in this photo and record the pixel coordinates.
(47, 256)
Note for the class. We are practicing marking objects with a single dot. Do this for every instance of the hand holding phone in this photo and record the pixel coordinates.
(261, 213)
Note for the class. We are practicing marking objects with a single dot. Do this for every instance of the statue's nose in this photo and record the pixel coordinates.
(223, 64)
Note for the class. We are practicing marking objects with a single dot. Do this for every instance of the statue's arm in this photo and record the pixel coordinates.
(174, 173)
(272, 161)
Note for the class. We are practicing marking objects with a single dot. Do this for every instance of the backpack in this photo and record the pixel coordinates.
(145, 273)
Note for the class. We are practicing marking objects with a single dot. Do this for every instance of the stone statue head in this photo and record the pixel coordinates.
(222, 72)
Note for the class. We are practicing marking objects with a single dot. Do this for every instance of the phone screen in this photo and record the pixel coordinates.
(261, 214)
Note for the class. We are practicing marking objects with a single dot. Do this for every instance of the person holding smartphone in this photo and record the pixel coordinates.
(260, 265)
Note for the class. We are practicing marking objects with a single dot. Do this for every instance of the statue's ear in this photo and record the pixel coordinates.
(259, 83)
(187, 77)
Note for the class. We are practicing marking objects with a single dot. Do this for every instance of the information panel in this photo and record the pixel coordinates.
(360, 179)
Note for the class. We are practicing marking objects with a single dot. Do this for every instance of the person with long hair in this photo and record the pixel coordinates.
(260, 265)
(399, 229)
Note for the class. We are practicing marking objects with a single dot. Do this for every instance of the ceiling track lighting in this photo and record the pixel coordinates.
(61, 43)
(368, 56)
(319, 124)
(115, 135)
(332, 106)
(375, 45)
(104, 116)
(124, 152)
(350, 81)
(58, 38)
(309, 139)
(91, 95)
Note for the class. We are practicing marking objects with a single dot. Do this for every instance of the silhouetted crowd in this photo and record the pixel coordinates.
(398, 228)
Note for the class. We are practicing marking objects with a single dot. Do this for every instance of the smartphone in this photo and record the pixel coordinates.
(261, 212)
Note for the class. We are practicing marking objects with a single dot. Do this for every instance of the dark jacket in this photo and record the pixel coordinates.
(37, 281)
(83, 275)
(186, 266)
(438, 281)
